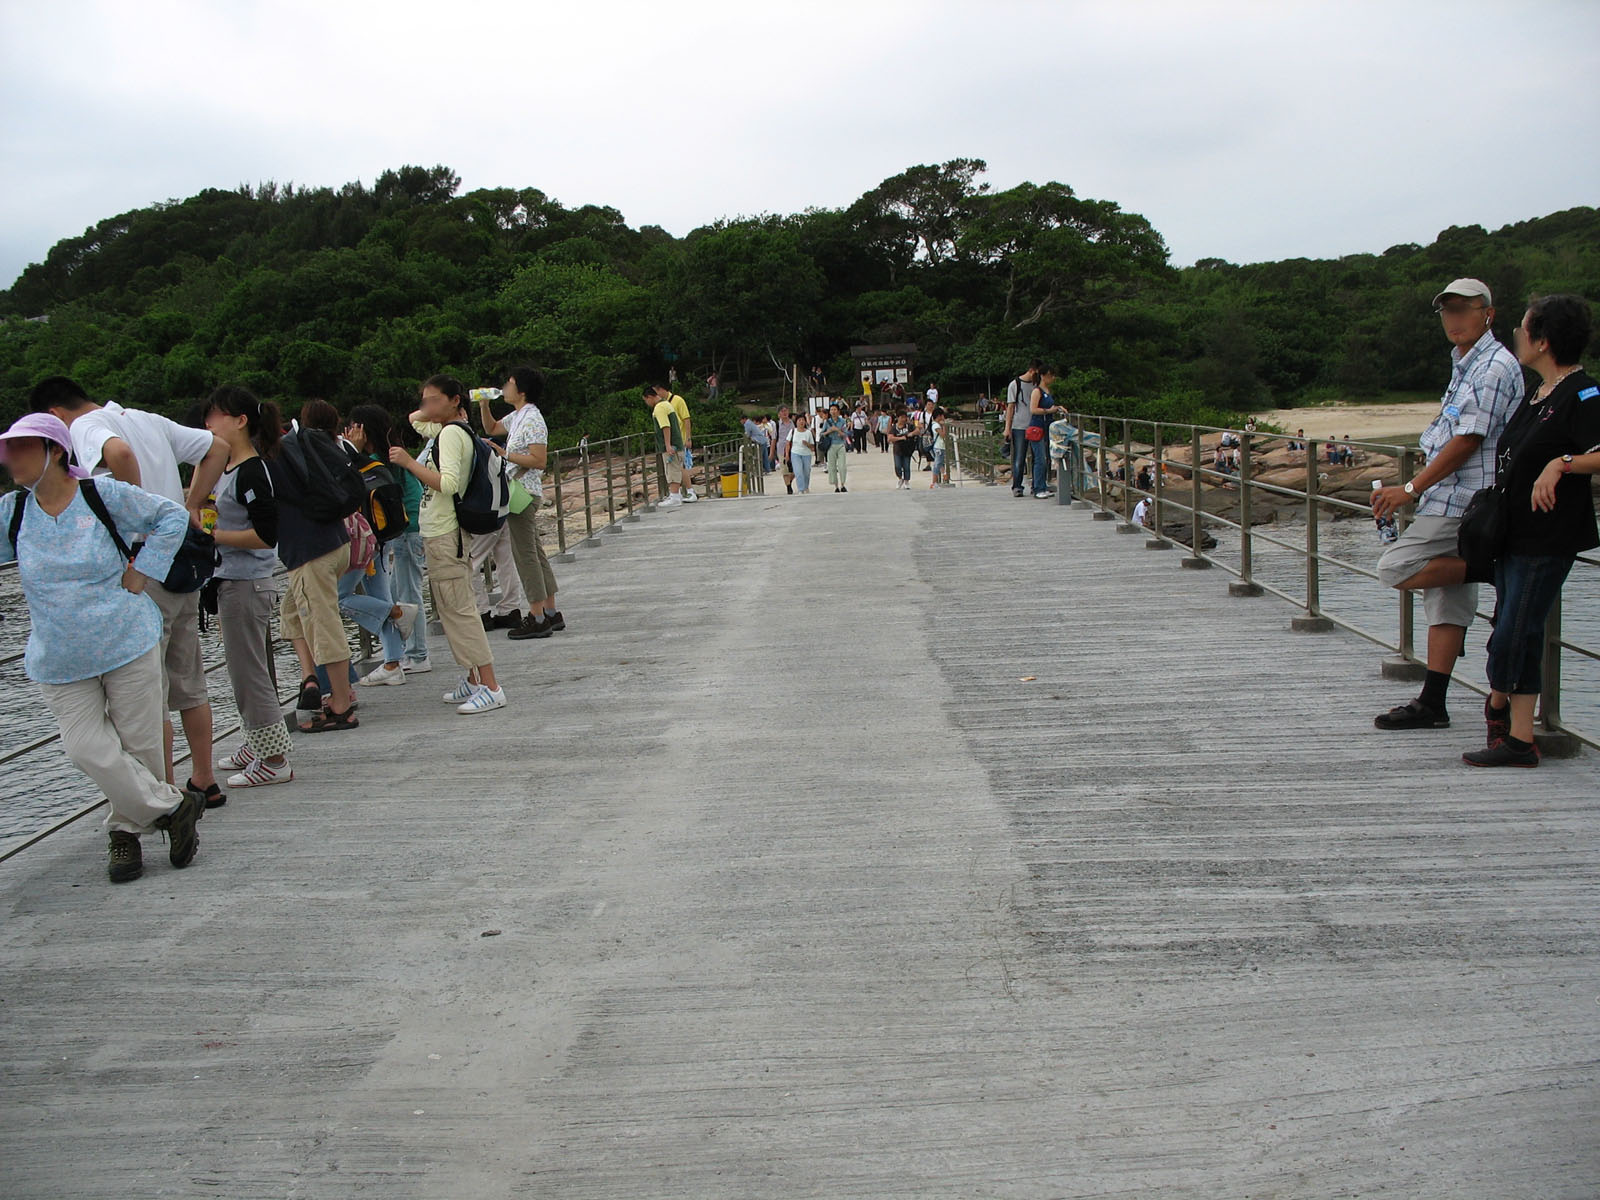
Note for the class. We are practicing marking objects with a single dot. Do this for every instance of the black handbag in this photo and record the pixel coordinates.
(1481, 538)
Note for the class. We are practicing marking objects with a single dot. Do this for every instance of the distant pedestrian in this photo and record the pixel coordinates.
(1041, 405)
(834, 434)
(756, 432)
(1017, 419)
(782, 447)
(669, 442)
(105, 690)
(936, 430)
(527, 451)
(712, 390)
(802, 452)
(903, 442)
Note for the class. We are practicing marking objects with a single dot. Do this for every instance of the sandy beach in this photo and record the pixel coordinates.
(1369, 422)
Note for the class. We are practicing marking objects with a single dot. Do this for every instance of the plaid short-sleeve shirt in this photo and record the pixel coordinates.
(1485, 389)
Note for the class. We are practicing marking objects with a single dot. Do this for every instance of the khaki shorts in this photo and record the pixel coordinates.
(1424, 540)
(671, 462)
(310, 609)
(181, 664)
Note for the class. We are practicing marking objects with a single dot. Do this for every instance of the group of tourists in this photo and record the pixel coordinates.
(793, 443)
(1504, 497)
(329, 518)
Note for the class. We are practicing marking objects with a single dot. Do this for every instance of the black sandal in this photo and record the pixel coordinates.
(310, 694)
(213, 795)
(328, 721)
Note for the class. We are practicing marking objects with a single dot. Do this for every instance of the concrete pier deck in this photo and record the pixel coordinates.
(778, 880)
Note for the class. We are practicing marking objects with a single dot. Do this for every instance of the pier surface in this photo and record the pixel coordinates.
(929, 844)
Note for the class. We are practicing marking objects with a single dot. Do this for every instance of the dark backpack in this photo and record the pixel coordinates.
(195, 561)
(385, 508)
(486, 503)
(323, 484)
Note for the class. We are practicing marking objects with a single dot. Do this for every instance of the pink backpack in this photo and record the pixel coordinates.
(363, 542)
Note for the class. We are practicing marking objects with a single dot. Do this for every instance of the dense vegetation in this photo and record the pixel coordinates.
(357, 294)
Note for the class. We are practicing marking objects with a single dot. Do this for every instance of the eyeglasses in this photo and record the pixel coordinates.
(1457, 310)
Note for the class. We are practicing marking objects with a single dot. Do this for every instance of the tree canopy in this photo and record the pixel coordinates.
(357, 293)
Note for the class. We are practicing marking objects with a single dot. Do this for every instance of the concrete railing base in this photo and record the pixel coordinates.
(1242, 588)
(1405, 670)
(1311, 625)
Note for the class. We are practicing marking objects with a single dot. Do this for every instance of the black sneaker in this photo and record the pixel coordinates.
(488, 621)
(533, 627)
(1504, 754)
(510, 621)
(179, 825)
(557, 621)
(1017, 492)
(1413, 714)
(1499, 724)
(844, 489)
(126, 861)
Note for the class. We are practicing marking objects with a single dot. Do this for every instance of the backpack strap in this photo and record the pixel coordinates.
(97, 505)
(16, 516)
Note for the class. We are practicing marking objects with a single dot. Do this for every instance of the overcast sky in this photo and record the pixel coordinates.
(1245, 131)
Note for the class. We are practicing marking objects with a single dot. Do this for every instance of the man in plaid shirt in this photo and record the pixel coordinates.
(1485, 389)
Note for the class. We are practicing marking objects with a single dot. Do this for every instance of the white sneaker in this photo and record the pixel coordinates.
(688, 496)
(406, 621)
(483, 700)
(239, 760)
(416, 666)
(261, 773)
(382, 675)
(670, 502)
(462, 691)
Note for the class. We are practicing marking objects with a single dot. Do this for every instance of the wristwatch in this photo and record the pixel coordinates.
(1566, 463)
(1409, 489)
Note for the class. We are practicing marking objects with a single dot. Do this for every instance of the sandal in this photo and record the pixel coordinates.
(310, 694)
(328, 721)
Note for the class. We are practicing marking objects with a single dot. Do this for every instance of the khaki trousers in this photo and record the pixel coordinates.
(449, 576)
(111, 730)
(533, 565)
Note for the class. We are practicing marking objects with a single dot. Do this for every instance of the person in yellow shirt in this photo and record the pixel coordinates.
(441, 415)
(680, 407)
(670, 440)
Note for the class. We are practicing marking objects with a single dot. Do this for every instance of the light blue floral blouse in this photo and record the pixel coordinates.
(84, 623)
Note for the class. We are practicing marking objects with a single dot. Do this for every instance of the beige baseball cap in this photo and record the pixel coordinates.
(1468, 288)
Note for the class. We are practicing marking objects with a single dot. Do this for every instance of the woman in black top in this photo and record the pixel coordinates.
(1550, 448)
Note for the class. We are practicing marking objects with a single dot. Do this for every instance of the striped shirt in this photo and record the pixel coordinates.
(1485, 389)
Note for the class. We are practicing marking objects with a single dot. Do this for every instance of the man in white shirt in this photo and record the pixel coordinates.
(144, 449)
(1141, 512)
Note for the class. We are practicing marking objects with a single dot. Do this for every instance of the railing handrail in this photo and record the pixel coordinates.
(1112, 436)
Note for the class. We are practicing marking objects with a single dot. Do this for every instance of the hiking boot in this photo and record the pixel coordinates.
(1499, 723)
(126, 861)
(1413, 714)
(557, 621)
(179, 826)
(1504, 754)
(533, 626)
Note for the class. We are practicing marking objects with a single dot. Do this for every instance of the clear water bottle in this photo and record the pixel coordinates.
(479, 395)
(1387, 530)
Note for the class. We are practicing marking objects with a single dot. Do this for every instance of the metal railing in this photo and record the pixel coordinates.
(1227, 497)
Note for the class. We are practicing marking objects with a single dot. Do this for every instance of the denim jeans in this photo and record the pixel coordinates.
(407, 589)
(1525, 587)
(802, 471)
(1019, 458)
(938, 465)
(902, 465)
(371, 610)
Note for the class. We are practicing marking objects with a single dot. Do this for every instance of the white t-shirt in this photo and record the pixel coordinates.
(526, 427)
(159, 445)
(933, 394)
(1141, 510)
(801, 441)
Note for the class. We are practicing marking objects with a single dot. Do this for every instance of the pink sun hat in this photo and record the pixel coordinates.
(42, 425)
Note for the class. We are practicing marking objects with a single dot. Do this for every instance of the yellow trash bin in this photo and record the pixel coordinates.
(730, 481)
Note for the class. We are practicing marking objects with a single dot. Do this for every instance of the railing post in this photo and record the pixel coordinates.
(588, 503)
(1102, 511)
(1155, 540)
(1245, 585)
(627, 477)
(1127, 525)
(1554, 741)
(1197, 560)
(1404, 665)
(611, 500)
(1313, 621)
(561, 516)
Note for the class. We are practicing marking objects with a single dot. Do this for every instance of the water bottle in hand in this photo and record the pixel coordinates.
(1387, 530)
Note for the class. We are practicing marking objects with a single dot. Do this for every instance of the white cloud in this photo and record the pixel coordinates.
(1242, 130)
